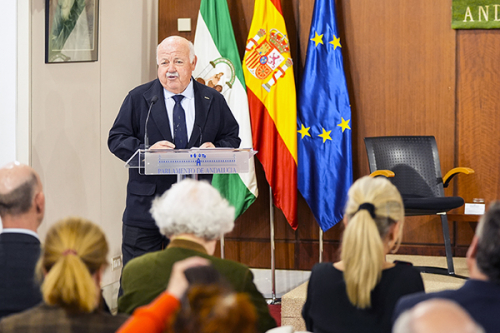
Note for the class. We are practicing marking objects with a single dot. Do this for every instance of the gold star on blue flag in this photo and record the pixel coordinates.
(344, 124)
(304, 131)
(325, 157)
(318, 39)
(335, 42)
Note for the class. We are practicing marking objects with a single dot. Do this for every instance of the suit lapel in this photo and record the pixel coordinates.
(202, 102)
(159, 111)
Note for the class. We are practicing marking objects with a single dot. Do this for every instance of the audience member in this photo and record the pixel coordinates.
(436, 316)
(480, 295)
(207, 306)
(358, 293)
(194, 216)
(72, 261)
(214, 309)
(22, 206)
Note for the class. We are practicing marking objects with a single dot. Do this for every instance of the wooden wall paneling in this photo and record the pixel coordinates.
(308, 227)
(401, 65)
(305, 9)
(425, 230)
(478, 116)
(252, 224)
(478, 87)
(258, 254)
(422, 250)
(170, 11)
(309, 254)
(465, 232)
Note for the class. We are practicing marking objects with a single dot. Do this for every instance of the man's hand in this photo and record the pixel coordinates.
(178, 284)
(163, 145)
(207, 145)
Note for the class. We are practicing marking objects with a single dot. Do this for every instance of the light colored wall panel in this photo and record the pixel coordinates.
(128, 58)
(65, 130)
(23, 120)
(8, 81)
(73, 107)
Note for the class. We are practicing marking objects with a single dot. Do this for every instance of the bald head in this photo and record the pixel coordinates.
(178, 42)
(19, 184)
(436, 316)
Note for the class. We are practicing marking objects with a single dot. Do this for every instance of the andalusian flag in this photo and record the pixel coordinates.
(267, 66)
(219, 66)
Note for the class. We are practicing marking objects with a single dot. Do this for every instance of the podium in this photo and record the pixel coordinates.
(192, 161)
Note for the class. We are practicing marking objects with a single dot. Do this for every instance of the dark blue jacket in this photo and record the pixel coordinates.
(481, 299)
(214, 122)
(18, 256)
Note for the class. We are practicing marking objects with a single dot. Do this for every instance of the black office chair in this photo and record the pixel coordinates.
(412, 164)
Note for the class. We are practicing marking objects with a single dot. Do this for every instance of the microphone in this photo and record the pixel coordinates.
(146, 138)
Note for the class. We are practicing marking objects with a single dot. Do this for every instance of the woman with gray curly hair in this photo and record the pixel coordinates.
(194, 216)
(194, 208)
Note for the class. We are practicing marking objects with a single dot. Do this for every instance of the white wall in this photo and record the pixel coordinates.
(15, 20)
(8, 81)
(73, 105)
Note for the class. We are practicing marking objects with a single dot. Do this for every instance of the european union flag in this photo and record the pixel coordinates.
(324, 121)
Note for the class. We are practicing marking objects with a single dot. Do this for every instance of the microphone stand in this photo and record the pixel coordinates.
(146, 138)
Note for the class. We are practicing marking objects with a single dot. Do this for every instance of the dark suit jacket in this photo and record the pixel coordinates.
(481, 299)
(49, 319)
(214, 122)
(145, 277)
(18, 256)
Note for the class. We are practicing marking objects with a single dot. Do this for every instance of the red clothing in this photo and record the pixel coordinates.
(151, 318)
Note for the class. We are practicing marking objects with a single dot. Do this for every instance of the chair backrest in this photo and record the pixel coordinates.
(413, 159)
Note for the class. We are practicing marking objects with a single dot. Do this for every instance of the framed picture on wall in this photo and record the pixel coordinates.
(71, 30)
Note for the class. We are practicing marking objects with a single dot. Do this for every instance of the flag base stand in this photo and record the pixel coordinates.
(320, 245)
(222, 248)
(273, 299)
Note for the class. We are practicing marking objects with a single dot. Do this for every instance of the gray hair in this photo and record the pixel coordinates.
(19, 200)
(190, 45)
(193, 207)
(488, 247)
(412, 320)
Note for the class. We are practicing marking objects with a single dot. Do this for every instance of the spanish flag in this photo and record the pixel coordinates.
(268, 71)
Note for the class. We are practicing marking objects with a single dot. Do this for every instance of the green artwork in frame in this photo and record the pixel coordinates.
(71, 30)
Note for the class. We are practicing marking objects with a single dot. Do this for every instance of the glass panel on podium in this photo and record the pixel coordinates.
(192, 161)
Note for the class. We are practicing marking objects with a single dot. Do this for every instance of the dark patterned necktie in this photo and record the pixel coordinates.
(180, 130)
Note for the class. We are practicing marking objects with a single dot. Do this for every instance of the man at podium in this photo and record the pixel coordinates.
(173, 111)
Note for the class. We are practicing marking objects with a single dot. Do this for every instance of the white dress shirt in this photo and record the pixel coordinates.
(187, 104)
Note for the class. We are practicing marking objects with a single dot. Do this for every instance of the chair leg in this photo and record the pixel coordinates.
(450, 271)
(447, 244)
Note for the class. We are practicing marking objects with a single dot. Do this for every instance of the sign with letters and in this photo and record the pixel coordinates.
(191, 161)
(475, 14)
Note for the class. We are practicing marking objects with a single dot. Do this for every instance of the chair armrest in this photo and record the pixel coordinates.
(455, 171)
(384, 173)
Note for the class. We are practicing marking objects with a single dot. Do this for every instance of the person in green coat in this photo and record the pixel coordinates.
(194, 216)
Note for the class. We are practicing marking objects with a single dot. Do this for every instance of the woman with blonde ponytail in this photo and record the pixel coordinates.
(71, 264)
(359, 293)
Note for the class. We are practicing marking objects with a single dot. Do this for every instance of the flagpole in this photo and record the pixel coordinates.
(222, 247)
(273, 259)
(320, 245)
